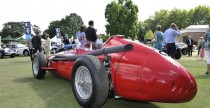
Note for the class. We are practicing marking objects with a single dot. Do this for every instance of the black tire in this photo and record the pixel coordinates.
(100, 83)
(178, 54)
(53, 50)
(12, 55)
(184, 51)
(26, 53)
(38, 62)
(62, 49)
(1, 55)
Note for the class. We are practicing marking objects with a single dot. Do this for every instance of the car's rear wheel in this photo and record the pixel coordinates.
(90, 82)
(1, 55)
(178, 54)
(38, 62)
(26, 53)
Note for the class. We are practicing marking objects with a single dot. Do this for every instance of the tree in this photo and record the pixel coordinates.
(200, 15)
(14, 29)
(160, 18)
(142, 28)
(68, 25)
(148, 35)
(35, 28)
(122, 18)
(179, 17)
(165, 18)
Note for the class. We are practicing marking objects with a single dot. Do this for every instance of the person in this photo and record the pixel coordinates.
(201, 52)
(37, 43)
(30, 46)
(59, 42)
(99, 42)
(158, 37)
(66, 41)
(207, 48)
(170, 38)
(201, 43)
(90, 32)
(189, 45)
(47, 46)
(81, 36)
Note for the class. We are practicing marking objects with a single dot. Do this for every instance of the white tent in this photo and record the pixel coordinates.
(54, 39)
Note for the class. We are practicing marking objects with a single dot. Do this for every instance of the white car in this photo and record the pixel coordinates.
(21, 49)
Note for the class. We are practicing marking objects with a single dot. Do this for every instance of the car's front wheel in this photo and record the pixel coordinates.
(26, 53)
(184, 51)
(90, 82)
(38, 62)
(12, 55)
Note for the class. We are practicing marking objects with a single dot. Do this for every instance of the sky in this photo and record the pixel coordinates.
(42, 12)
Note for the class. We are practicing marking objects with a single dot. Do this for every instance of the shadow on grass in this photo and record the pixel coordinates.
(24, 80)
(202, 77)
(56, 92)
(112, 103)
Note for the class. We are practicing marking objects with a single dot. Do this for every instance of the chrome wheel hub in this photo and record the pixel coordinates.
(35, 65)
(83, 82)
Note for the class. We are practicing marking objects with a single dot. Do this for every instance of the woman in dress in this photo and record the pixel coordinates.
(158, 37)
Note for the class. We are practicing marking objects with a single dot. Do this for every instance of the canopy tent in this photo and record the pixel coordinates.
(8, 38)
(21, 39)
(54, 39)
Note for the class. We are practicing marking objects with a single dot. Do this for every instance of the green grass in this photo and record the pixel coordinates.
(19, 89)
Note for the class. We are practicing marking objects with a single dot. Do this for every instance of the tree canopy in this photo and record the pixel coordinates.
(122, 18)
(182, 18)
(69, 25)
(13, 29)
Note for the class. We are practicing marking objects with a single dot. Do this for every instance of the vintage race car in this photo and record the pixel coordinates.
(121, 69)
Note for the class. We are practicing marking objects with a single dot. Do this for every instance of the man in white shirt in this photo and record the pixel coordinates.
(99, 42)
(47, 46)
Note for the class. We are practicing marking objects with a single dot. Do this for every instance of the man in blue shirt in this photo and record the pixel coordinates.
(170, 38)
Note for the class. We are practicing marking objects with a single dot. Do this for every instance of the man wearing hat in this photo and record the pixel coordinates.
(201, 44)
(189, 45)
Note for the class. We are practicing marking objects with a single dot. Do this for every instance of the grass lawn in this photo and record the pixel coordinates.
(19, 89)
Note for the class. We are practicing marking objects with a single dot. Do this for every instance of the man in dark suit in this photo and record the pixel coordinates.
(90, 32)
(36, 41)
(189, 45)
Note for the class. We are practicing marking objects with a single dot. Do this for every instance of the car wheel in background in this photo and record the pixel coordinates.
(184, 51)
(53, 51)
(90, 82)
(1, 55)
(62, 49)
(26, 53)
(12, 55)
(38, 62)
(178, 54)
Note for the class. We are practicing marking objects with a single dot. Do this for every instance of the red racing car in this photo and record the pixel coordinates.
(121, 69)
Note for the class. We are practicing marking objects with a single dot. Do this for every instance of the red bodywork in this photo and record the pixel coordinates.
(142, 74)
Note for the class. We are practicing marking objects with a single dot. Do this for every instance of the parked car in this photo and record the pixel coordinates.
(21, 49)
(121, 69)
(1, 53)
(178, 53)
(183, 47)
(10, 52)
